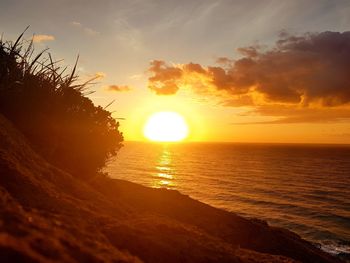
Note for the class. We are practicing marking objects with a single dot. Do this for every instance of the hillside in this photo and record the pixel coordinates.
(47, 215)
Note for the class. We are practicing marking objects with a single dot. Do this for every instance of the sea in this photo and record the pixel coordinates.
(303, 188)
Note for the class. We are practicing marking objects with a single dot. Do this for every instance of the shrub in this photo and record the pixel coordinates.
(53, 112)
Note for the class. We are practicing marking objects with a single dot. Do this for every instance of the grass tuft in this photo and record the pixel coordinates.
(51, 109)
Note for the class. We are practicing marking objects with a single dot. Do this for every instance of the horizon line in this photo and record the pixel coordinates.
(236, 142)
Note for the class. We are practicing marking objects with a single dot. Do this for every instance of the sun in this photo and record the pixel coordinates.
(166, 126)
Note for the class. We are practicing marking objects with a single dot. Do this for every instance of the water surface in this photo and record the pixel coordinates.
(304, 188)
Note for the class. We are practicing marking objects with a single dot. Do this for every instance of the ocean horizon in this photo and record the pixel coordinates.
(300, 187)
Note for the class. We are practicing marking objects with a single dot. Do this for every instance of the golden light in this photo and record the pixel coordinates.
(166, 126)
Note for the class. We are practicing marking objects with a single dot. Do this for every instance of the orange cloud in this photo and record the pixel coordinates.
(302, 72)
(42, 38)
(164, 79)
(285, 114)
(117, 88)
(100, 75)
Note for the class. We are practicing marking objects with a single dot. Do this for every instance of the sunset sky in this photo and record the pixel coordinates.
(237, 71)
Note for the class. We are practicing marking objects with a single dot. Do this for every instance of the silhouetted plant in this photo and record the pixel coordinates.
(53, 112)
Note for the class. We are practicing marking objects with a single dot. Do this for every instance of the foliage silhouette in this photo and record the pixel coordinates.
(53, 112)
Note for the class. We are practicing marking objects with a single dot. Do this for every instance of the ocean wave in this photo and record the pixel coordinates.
(336, 248)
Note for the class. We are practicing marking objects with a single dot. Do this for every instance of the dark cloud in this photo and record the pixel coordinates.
(312, 69)
(305, 69)
(191, 67)
(164, 79)
(118, 88)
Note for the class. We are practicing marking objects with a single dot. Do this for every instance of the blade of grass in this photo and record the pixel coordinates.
(17, 41)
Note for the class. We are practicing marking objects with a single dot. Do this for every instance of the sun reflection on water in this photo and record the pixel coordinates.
(164, 177)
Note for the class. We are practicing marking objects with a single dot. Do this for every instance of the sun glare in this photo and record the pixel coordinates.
(166, 127)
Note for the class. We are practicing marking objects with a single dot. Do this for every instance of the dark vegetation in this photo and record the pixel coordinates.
(52, 110)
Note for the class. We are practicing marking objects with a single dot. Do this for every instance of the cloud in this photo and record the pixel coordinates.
(91, 32)
(300, 79)
(87, 30)
(136, 76)
(100, 75)
(117, 88)
(297, 119)
(76, 24)
(164, 79)
(287, 113)
(311, 69)
(42, 38)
